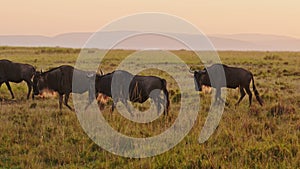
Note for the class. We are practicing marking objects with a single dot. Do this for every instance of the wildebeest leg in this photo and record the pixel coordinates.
(112, 107)
(115, 101)
(29, 84)
(158, 101)
(66, 101)
(124, 101)
(9, 88)
(163, 102)
(166, 101)
(218, 95)
(250, 95)
(158, 106)
(60, 101)
(242, 95)
(91, 99)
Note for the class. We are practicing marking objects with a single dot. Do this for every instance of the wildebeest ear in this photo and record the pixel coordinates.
(203, 71)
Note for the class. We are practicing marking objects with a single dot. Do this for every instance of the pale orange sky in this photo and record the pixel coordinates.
(52, 17)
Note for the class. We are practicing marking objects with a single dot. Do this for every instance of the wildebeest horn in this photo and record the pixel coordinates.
(101, 73)
(191, 71)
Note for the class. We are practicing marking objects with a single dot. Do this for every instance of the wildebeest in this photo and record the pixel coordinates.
(60, 80)
(16, 72)
(123, 86)
(234, 77)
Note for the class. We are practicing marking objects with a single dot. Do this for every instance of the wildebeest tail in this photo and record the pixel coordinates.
(166, 94)
(258, 98)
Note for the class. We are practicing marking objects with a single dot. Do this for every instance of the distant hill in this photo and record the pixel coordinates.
(255, 42)
(243, 42)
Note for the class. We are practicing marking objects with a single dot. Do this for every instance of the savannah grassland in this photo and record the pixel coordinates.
(35, 134)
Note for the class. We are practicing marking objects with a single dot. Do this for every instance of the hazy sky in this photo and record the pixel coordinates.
(52, 17)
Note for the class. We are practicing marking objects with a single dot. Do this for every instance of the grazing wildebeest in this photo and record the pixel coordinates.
(123, 86)
(60, 80)
(16, 72)
(235, 77)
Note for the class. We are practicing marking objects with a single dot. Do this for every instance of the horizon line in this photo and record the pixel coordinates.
(209, 34)
(220, 50)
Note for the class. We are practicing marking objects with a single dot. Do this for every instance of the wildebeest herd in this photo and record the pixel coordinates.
(120, 84)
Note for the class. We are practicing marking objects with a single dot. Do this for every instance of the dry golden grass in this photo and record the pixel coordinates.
(35, 134)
